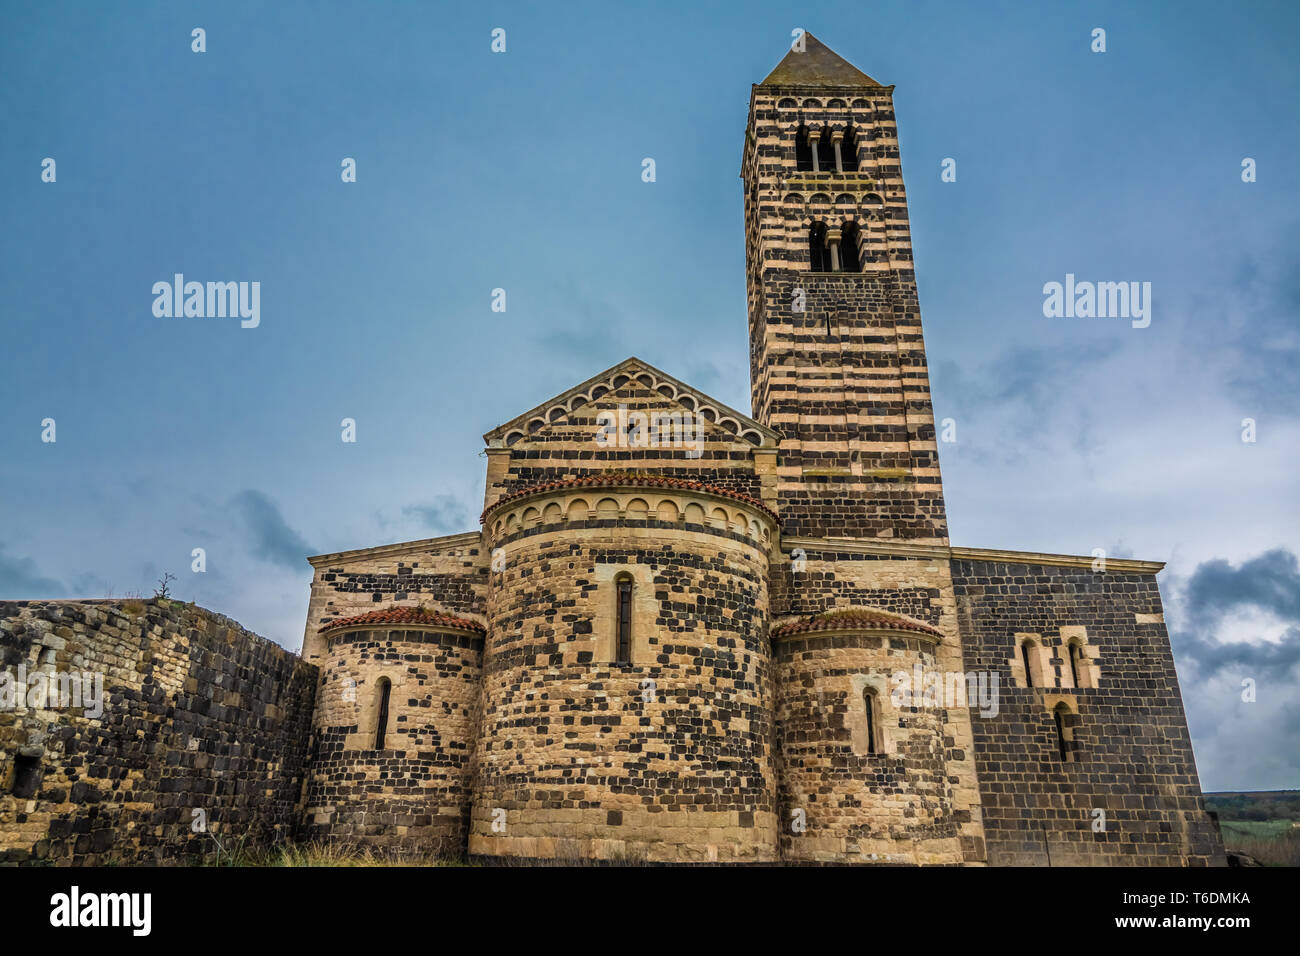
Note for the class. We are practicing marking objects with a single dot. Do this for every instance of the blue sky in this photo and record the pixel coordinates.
(521, 171)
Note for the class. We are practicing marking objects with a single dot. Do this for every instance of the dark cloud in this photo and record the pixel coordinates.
(1268, 583)
(444, 515)
(1241, 743)
(19, 579)
(271, 538)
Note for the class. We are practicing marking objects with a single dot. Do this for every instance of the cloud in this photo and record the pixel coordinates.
(19, 579)
(1238, 627)
(271, 538)
(444, 515)
(1267, 586)
(1270, 581)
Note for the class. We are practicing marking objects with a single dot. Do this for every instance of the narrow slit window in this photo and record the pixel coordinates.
(1062, 748)
(1029, 671)
(381, 723)
(869, 700)
(1074, 663)
(624, 618)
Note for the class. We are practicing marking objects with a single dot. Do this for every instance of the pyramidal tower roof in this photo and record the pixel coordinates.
(817, 65)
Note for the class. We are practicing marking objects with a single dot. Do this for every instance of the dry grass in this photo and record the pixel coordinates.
(1271, 842)
(320, 854)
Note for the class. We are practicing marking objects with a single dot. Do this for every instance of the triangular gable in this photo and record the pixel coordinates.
(558, 408)
(817, 65)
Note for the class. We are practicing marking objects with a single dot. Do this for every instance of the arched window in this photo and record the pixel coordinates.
(623, 620)
(1024, 657)
(849, 151)
(826, 153)
(819, 256)
(1074, 662)
(1062, 747)
(381, 722)
(802, 150)
(850, 237)
(869, 702)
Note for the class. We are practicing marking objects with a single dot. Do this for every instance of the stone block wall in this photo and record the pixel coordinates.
(197, 714)
(668, 757)
(1128, 752)
(915, 802)
(412, 796)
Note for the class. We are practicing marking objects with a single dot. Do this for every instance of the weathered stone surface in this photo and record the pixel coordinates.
(198, 715)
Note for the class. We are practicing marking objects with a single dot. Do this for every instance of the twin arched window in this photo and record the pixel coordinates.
(834, 249)
(824, 150)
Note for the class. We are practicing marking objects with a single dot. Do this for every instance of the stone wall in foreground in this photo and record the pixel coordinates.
(198, 714)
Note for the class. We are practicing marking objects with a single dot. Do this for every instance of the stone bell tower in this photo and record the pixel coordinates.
(837, 361)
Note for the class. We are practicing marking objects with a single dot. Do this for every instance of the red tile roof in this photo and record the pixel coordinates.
(865, 620)
(618, 479)
(406, 615)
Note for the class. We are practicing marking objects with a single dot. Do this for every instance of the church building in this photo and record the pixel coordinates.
(684, 633)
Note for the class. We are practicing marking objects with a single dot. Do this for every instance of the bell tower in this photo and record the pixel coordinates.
(837, 360)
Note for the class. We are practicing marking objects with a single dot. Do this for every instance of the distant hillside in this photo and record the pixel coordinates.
(1262, 824)
(1255, 805)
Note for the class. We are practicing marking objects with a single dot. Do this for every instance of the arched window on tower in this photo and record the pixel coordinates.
(873, 719)
(381, 721)
(826, 153)
(623, 620)
(850, 240)
(802, 151)
(819, 256)
(1075, 663)
(849, 151)
(1026, 649)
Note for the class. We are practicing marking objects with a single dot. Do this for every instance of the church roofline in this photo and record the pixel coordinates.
(901, 549)
(416, 616)
(496, 437)
(465, 538)
(855, 619)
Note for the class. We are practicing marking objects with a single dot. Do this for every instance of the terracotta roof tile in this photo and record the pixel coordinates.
(865, 620)
(406, 615)
(618, 479)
